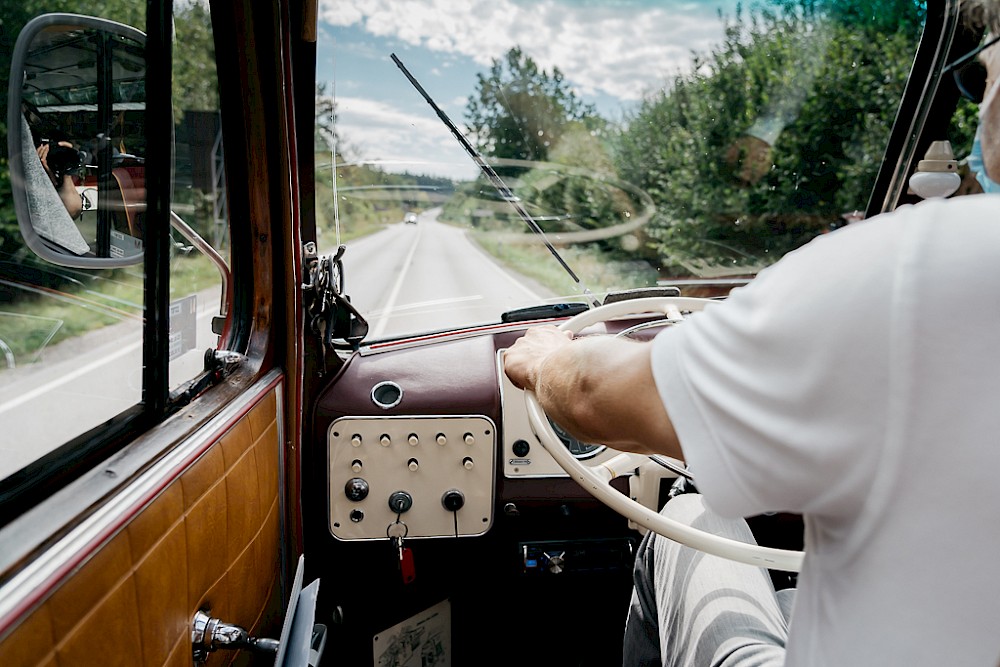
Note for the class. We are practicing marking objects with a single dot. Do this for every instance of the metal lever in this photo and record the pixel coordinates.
(210, 634)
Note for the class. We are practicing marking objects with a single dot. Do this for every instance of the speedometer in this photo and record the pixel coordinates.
(580, 450)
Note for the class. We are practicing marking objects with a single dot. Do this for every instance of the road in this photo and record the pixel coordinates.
(82, 382)
(429, 276)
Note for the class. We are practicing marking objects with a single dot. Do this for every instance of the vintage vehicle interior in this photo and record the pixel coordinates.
(253, 414)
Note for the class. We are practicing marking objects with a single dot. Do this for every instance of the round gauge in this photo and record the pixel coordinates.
(580, 450)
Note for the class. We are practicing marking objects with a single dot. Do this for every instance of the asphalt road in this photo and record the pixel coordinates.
(429, 276)
(82, 382)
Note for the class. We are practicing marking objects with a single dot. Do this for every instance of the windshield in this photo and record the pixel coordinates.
(610, 145)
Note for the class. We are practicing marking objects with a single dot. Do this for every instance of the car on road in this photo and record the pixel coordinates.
(410, 218)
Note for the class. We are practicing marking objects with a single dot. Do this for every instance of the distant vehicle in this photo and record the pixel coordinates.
(410, 218)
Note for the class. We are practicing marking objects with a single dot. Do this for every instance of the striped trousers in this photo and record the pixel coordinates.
(690, 609)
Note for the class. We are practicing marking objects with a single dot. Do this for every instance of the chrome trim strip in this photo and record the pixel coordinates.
(279, 397)
(448, 336)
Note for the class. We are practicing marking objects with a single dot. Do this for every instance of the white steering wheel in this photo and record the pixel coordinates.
(597, 479)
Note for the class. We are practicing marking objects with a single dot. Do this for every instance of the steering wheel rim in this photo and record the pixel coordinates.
(598, 486)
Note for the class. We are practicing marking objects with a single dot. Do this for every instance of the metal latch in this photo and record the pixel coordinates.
(210, 634)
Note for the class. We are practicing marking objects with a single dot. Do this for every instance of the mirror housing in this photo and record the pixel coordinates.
(76, 140)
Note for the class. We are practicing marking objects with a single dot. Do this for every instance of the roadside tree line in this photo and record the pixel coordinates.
(770, 139)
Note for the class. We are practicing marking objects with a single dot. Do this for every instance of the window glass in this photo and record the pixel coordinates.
(199, 236)
(652, 144)
(71, 339)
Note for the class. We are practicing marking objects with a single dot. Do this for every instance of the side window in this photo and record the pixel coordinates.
(73, 229)
(200, 231)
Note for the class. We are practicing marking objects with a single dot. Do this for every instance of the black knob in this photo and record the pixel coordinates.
(453, 500)
(356, 489)
(521, 448)
(400, 501)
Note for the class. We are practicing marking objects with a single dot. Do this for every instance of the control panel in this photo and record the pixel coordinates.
(412, 477)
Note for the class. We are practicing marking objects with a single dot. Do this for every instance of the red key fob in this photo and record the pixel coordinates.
(406, 568)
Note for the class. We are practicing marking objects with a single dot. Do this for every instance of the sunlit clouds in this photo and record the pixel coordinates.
(398, 141)
(608, 56)
(596, 48)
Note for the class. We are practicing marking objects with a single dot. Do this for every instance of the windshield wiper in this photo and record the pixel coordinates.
(505, 192)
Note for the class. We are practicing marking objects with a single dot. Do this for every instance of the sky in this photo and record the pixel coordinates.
(610, 52)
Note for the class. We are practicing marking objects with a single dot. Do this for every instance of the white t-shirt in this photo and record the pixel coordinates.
(857, 382)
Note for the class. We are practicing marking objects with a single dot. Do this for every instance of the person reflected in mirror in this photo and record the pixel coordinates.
(60, 160)
(830, 387)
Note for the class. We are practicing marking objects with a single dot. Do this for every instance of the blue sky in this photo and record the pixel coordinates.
(610, 52)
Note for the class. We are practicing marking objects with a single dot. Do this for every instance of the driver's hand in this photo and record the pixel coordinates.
(523, 359)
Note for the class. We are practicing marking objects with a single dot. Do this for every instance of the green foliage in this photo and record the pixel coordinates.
(326, 133)
(777, 133)
(195, 82)
(875, 16)
(368, 198)
(578, 189)
(520, 111)
(552, 150)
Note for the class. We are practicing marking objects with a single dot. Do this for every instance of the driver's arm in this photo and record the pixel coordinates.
(598, 388)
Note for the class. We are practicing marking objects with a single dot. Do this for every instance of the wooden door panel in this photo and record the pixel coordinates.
(208, 538)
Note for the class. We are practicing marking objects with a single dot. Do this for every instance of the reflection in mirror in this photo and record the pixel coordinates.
(78, 165)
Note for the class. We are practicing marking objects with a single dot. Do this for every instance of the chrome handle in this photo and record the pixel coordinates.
(211, 634)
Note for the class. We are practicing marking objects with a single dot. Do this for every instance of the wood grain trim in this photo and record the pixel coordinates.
(209, 538)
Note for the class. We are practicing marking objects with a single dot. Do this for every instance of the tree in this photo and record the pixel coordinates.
(195, 82)
(822, 87)
(520, 111)
(326, 117)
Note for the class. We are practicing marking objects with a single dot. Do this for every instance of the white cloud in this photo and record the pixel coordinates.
(598, 51)
(401, 141)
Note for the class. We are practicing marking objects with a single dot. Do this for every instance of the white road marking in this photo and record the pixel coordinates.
(423, 304)
(69, 377)
(53, 385)
(390, 303)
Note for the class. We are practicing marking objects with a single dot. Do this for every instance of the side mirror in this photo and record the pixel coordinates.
(76, 140)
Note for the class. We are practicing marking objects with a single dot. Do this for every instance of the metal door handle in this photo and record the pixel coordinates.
(211, 634)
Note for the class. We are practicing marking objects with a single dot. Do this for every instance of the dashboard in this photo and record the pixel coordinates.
(430, 433)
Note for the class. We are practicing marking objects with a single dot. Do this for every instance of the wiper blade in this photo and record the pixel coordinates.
(505, 192)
